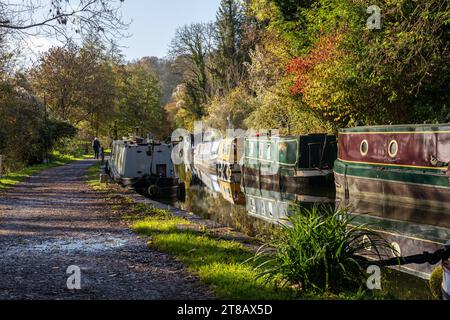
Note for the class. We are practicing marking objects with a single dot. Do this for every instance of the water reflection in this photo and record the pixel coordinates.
(257, 206)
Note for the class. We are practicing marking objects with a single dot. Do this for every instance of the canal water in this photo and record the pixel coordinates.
(257, 209)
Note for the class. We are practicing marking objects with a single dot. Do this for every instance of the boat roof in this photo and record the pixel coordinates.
(399, 128)
(290, 137)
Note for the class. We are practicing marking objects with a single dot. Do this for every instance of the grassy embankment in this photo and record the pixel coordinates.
(224, 265)
(13, 178)
(218, 263)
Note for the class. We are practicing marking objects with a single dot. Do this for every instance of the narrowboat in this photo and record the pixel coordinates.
(306, 159)
(206, 155)
(230, 154)
(411, 229)
(207, 178)
(274, 205)
(144, 165)
(404, 163)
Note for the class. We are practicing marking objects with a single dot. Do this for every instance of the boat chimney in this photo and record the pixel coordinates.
(136, 131)
(150, 138)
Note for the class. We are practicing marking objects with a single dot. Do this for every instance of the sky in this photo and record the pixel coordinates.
(154, 23)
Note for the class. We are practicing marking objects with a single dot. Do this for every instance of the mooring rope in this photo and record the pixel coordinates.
(426, 257)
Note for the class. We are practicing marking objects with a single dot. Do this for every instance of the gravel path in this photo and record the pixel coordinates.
(53, 221)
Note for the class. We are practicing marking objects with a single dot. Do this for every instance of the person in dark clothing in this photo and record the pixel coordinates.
(96, 146)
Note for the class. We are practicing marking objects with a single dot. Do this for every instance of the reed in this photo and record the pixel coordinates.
(320, 250)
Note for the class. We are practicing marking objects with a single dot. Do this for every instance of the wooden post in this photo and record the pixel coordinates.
(1, 165)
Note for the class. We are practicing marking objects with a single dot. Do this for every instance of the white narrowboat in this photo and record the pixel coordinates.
(145, 166)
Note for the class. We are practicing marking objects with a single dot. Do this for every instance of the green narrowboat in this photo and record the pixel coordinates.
(289, 160)
(405, 163)
(275, 205)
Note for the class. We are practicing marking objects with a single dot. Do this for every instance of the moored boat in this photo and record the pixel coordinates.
(229, 157)
(144, 165)
(410, 229)
(294, 160)
(206, 155)
(275, 205)
(406, 163)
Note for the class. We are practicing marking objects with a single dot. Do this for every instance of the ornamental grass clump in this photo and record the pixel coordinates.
(319, 250)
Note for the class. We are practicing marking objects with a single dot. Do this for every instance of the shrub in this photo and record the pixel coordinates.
(436, 282)
(320, 250)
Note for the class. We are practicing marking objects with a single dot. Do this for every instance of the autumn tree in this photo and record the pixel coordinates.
(191, 48)
(75, 84)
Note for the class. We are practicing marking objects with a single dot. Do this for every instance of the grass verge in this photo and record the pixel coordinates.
(226, 266)
(220, 264)
(13, 178)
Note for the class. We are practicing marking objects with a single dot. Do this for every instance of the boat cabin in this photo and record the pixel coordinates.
(143, 164)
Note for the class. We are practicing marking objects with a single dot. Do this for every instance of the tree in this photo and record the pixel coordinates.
(139, 100)
(354, 76)
(227, 64)
(191, 47)
(62, 18)
(27, 132)
(75, 84)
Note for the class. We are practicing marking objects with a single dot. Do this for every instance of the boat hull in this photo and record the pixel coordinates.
(167, 187)
(289, 177)
(419, 187)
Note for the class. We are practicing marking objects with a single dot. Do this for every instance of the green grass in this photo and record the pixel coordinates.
(222, 264)
(93, 178)
(228, 267)
(13, 178)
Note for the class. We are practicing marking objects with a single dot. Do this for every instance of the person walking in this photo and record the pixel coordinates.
(96, 146)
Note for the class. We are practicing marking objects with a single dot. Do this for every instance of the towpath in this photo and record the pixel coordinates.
(53, 221)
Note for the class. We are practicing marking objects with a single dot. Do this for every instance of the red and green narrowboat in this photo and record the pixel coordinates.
(404, 163)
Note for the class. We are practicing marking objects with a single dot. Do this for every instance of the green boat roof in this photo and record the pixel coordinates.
(291, 137)
(399, 128)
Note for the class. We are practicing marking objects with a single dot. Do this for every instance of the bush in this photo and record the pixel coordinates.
(436, 282)
(74, 147)
(27, 134)
(320, 250)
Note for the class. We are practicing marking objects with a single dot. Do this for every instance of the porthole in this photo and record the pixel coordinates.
(396, 250)
(364, 148)
(393, 149)
(367, 243)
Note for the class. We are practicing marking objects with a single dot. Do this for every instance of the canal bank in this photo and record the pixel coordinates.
(231, 228)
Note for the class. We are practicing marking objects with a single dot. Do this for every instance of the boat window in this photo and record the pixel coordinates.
(252, 205)
(269, 151)
(263, 208)
(261, 152)
(271, 209)
(287, 152)
(393, 149)
(364, 148)
(251, 146)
